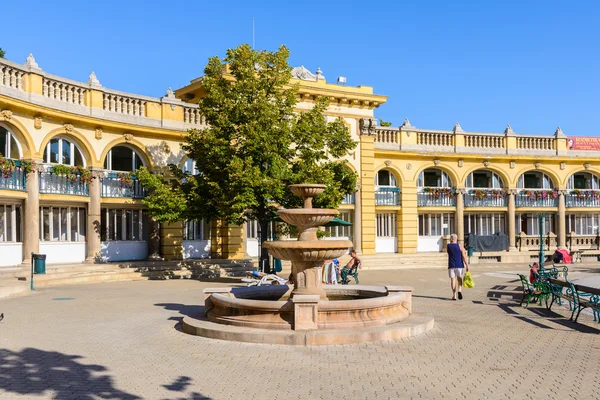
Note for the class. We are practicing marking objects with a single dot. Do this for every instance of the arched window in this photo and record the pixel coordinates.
(9, 145)
(433, 177)
(385, 178)
(63, 151)
(122, 158)
(535, 180)
(583, 180)
(484, 179)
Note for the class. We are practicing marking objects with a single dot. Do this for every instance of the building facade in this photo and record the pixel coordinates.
(70, 149)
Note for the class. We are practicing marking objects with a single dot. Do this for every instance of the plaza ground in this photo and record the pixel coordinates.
(121, 341)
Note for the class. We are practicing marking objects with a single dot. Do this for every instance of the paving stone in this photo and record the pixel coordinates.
(121, 340)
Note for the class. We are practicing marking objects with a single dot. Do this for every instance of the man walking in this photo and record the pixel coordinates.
(457, 260)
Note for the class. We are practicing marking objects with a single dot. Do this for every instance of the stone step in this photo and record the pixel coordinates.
(67, 279)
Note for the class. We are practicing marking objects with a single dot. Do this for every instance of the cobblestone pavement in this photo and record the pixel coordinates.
(120, 341)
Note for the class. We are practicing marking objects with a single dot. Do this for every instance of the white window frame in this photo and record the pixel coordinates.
(498, 178)
(73, 147)
(595, 179)
(80, 224)
(342, 231)
(8, 148)
(196, 226)
(12, 214)
(492, 222)
(432, 222)
(393, 181)
(386, 224)
(445, 178)
(123, 233)
(545, 179)
(134, 153)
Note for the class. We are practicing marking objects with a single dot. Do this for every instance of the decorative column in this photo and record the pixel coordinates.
(460, 215)
(153, 239)
(562, 220)
(31, 216)
(357, 231)
(93, 217)
(511, 193)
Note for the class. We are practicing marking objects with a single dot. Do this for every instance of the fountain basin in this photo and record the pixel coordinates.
(268, 315)
(307, 217)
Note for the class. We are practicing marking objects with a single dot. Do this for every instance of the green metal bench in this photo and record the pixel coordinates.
(532, 292)
(579, 297)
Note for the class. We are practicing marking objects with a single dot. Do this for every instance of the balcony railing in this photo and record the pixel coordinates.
(435, 197)
(14, 180)
(387, 196)
(536, 198)
(52, 183)
(348, 199)
(485, 198)
(583, 198)
(114, 186)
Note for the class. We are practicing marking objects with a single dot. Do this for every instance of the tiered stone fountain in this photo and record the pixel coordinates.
(309, 313)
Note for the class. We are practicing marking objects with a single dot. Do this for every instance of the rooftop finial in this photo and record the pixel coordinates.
(457, 128)
(559, 132)
(170, 94)
(30, 62)
(509, 130)
(320, 74)
(406, 123)
(93, 80)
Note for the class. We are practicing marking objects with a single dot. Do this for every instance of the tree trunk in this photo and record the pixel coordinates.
(263, 234)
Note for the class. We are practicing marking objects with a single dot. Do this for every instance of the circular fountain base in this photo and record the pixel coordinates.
(350, 314)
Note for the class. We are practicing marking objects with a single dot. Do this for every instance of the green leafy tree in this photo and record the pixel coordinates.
(254, 146)
(2, 53)
(384, 123)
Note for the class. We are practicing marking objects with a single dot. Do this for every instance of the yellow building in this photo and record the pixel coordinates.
(416, 186)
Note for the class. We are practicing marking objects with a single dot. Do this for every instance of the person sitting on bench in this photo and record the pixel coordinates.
(351, 267)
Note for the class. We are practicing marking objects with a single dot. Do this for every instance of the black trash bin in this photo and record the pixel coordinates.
(39, 263)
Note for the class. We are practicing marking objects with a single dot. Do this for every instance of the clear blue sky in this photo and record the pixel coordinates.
(533, 64)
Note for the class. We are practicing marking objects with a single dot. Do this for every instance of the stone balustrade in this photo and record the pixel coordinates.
(583, 242)
(192, 115)
(124, 104)
(410, 138)
(30, 83)
(532, 242)
(535, 143)
(11, 76)
(63, 91)
(437, 139)
(485, 141)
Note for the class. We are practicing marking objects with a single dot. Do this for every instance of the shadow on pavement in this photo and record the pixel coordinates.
(432, 297)
(185, 310)
(33, 371)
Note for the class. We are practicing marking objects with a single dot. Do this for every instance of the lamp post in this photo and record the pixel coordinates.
(541, 218)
